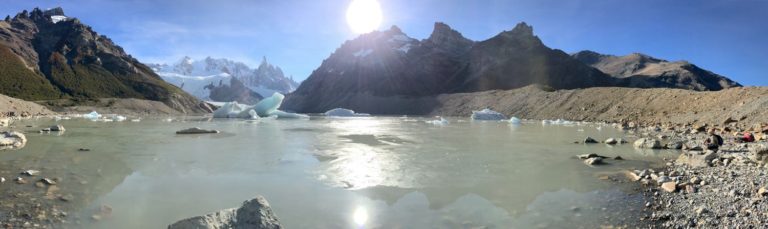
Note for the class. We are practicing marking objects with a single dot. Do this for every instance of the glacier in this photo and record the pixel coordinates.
(341, 112)
(487, 114)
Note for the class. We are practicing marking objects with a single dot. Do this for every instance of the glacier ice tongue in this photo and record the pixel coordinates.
(487, 114)
(267, 106)
(341, 112)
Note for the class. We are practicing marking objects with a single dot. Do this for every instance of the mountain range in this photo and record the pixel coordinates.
(222, 80)
(47, 55)
(388, 66)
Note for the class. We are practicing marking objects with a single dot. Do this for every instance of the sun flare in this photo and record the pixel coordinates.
(364, 16)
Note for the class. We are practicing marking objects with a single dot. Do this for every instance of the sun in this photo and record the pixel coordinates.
(364, 16)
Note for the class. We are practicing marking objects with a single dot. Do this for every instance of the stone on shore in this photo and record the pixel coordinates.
(674, 145)
(197, 130)
(590, 140)
(697, 159)
(647, 143)
(759, 153)
(670, 186)
(611, 141)
(253, 214)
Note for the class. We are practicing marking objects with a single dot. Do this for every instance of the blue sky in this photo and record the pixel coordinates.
(727, 37)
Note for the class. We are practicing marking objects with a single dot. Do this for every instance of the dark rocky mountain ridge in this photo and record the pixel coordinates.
(390, 66)
(65, 58)
(640, 70)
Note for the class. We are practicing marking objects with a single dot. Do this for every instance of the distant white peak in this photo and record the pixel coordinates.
(363, 53)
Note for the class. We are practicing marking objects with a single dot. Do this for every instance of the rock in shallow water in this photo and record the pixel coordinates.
(197, 130)
(253, 214)
(647, 143)
(12, 140)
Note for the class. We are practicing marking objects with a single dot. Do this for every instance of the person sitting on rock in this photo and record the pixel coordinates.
(714, 141)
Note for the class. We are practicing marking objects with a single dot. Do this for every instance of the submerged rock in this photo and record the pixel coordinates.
(253, 214)
(594, 161)
(197, 130)
(589, 140)
(57, 128)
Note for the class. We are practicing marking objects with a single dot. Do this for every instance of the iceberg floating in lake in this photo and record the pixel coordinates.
(288, 115)
(120, 118)
(92, 115)
(487, 114)
(515, 120)
(341, 112)
(441, 121)
(266, 106)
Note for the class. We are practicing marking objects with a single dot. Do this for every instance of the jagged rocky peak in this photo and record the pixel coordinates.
(54, 11)
(444, 34)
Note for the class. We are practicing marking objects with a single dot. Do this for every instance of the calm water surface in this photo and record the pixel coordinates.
(378, 172)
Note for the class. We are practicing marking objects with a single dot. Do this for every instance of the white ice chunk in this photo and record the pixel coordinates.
(515, 120)
(341, 112)
(441, 121)
(119, 118)
(136, 120)
(92, 115)
(267, 106)
(487, 114)
(288, 115)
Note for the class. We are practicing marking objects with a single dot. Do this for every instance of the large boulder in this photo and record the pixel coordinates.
(697, 159)
(253, 214)
(647, 143)
(759, 153)
(12, 140)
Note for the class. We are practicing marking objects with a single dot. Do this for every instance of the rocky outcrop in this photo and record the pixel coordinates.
(234, 91)
(640, 70)
(60, 57)
(253, 214)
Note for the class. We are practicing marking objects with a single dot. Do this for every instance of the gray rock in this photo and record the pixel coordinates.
(647, 143)
(674, 145)
(57, 128)
(590, 140)
(594, 161)
(611, 141)
(197, 130)
(588, 156)
(695, 159)
(759, 153)
(253, 214)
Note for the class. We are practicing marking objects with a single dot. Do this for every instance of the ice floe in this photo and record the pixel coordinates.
(440, 121)
(341, 112)
(515, 120)
(487, 114)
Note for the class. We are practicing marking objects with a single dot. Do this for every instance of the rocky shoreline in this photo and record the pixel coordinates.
(725, 187)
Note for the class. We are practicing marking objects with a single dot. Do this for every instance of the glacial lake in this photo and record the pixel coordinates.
(373, 172)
